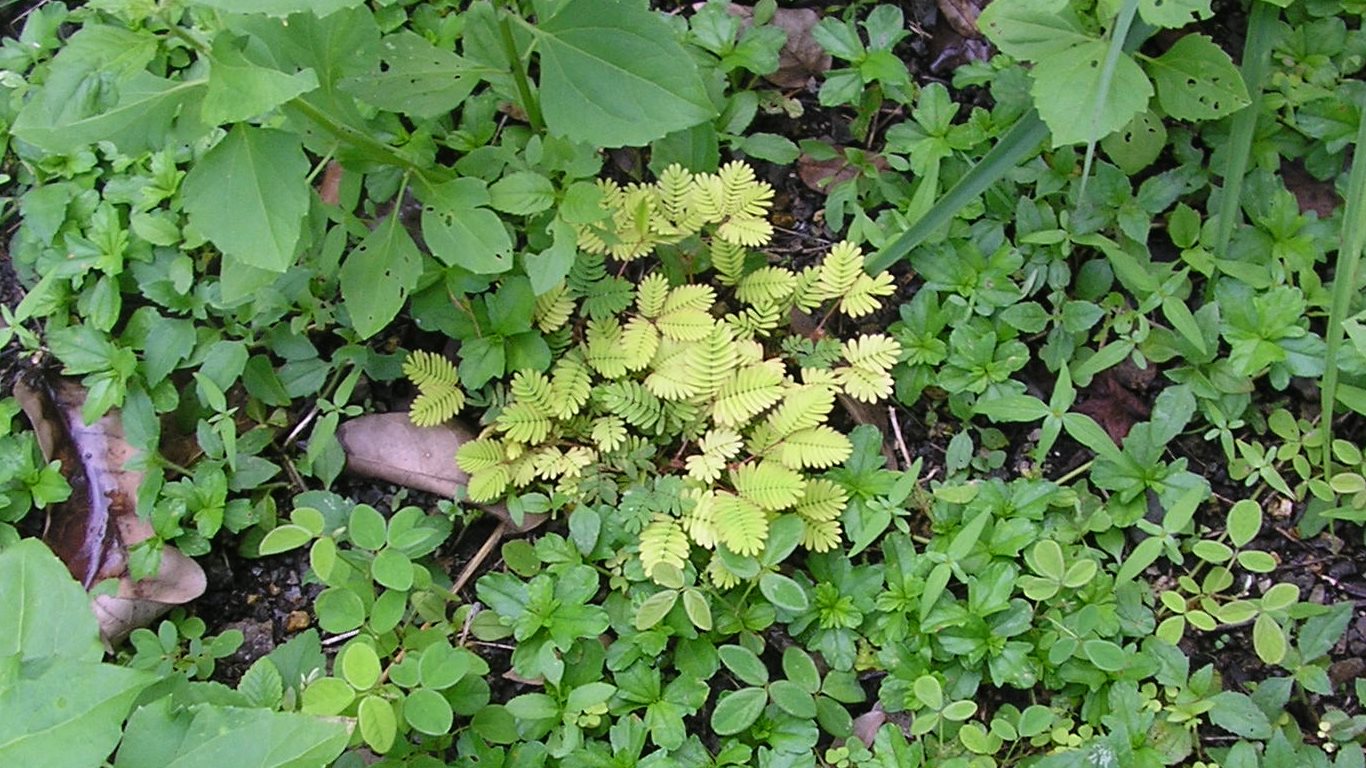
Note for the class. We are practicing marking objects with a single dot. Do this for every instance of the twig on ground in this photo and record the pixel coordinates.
(900, 439)
(473, 565)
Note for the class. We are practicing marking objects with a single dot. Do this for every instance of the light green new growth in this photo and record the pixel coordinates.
(664, 363)
(438, 385)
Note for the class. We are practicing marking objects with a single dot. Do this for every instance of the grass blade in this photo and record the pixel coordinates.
(1256, 62)
(1017, 145)
(1119, 36)
(1345, 281)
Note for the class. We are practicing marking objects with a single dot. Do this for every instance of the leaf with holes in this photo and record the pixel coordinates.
(472, 238)
(1196, 80)
(417, 78)
(378, 276)
(1067, 92)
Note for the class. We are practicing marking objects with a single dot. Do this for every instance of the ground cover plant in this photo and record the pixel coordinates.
(598, 383)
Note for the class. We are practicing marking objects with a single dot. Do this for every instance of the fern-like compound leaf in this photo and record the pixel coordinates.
(478, 455)
(864, 384)
(823, 501)
(751, 231)
(728, 260)
(685, 323)
(553, 308)
(639, 342)
(769, 484)
(772, 285)
(840, 270)
(862, 297)
(747, 393)
(713, 359)
(651, 294)
(488, 484)
(690, 297)
(532, 388)
(802, 407)
(816, 447)
(604, 349)
(570, 385)
(663, 542)
(438, 384)
(675, 192)
(673, 374)
(741, 525)
(700, 520)
(609, 433)
(718, 446)
(632, 402)
(874, 352)
(820, 536)
(524, 423)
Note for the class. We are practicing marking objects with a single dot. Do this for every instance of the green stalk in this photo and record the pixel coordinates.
(1119, 36)
(530, 105)
(1345, 281)
(1256, 62)
(349, 135)
(1015, 147)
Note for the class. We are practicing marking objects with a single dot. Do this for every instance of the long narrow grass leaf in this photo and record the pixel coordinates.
(1345, 281)
(1261, 29)
(1119, 36)
(1017, 145)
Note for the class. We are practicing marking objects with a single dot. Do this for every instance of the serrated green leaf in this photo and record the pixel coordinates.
(612, 74)
(249, 194)
(378, 275)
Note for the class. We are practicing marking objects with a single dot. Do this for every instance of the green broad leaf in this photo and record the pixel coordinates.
(378, 275)
(1138, 144)
(470, 238)
(139, 114)
(66, 713)
(744, 663)
(698, 609)
(1174, 14)
(45, 613)
(442, 666)
(392, 569)
(283, 538)
(240, 90)
(328, 696)
(428, 712)
(1320, 633)
(1196, 80)
(801, 669)
(1012, 408)
(1280, 597)
(792, 699)
(319, 8)
(1032, 29)
(958, 711)
(360, 666)
(481, 360)
(1268, 639)
(737, 710)
(533, 706)
(783, 592)
(655, 608)
(613, 74)
(378, 725)
(1086, 431)
(934, 588)
(1179, 315)
(1067, 93)
(1144, 555)
(339, 610)
(1237, 713)
(249, 195)
(929, 692)
(522, 193)
(1105, 655)
(770, 147)
(417, 79)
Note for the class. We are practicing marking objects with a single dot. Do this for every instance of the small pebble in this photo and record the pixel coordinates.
(297, 621)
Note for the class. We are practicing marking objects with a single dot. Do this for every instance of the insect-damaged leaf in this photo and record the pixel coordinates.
(249, 195)
(378, 275)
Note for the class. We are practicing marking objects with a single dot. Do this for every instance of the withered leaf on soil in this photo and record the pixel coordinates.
(92, 530)
(824, 175)
(389, 447)
(962, 15)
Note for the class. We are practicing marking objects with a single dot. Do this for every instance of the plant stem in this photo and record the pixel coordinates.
(349, 135)
(529, 103)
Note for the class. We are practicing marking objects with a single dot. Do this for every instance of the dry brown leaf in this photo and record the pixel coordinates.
(92, 530)
(823, 175)
(389, 447)
(962, 15)
(868, 724)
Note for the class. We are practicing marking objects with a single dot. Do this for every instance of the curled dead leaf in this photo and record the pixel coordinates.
(824, 175)
(92, 530)
(389, 447)
(868, 724)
